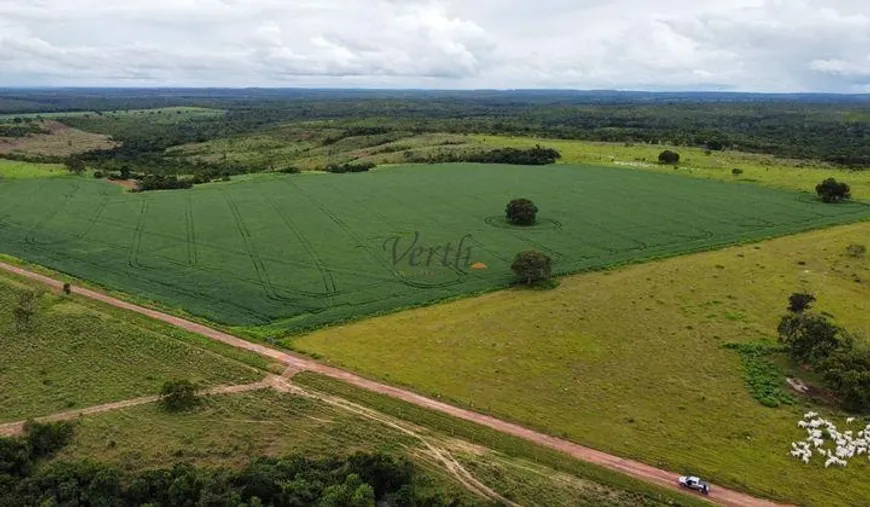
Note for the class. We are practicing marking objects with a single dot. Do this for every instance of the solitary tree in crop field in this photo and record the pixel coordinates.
(669, 157)
(831, 190)
(179, 395)
(531, 266)
(521, 212)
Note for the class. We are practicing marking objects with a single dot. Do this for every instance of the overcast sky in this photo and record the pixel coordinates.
(743, 45)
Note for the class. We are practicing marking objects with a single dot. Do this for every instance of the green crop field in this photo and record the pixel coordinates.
(298, 251)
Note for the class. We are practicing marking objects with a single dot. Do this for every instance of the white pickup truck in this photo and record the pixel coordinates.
(694, 483)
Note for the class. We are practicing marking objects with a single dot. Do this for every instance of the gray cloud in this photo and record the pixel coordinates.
(758, 45)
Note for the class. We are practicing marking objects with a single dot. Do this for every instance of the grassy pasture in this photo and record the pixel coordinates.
(80, 354)
(764, 170)
(13, 170)
(298, 251)
(230, 430)
(631, 361)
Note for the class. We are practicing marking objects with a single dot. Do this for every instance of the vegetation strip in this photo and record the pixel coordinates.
(634, 468)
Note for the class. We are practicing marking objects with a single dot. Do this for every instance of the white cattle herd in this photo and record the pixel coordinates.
(849, 444)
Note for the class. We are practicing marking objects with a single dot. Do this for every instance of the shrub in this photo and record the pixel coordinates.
(350, 167)
(831, 190)
(24, 312)
(800, 302)
(289, 170)
(736, 171)
(521, 212)
(99, 175)
(532, 267)
(179, 395)
(669, 157)
(857, 251)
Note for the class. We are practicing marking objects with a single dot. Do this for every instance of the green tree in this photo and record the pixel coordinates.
(669, 157)
(179, 395)
(75, 165)
(521, 212)
(45, 439)
(532, 266)
(831, 190)
(810, 338)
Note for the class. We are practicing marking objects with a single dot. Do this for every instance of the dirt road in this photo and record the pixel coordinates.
(633, 468)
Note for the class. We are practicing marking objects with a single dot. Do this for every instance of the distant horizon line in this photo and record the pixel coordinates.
(439, 90)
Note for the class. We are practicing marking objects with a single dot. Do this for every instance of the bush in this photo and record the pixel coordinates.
(831, 190)
(532, 267)
(857, 251)
(179, 395)
(736, 172)
(350, 167)
(800, 302)
(521, 212)
(669, 157)
(289, 170)
(99, 175)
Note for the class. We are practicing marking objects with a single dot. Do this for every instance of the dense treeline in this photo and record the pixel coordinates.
(515, 156)
(822, 127)
(359, 480)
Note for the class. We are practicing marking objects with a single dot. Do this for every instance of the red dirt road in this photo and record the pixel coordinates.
(633, 468)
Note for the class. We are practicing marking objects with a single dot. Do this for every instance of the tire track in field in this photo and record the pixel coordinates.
(136, 244)
(408, 281)
(253, 253)
(29, 238)
(192, 254)
(360, 243)
(325, 273)
(636, 469)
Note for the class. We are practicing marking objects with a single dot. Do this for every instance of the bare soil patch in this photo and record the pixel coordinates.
(60, 141)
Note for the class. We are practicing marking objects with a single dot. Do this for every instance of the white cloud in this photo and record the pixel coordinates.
(761, 45)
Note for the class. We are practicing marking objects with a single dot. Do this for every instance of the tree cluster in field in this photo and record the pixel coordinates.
(350, 167)
(160, 182)
(538, 155)
(21, 129)
(842, 360)
(358, 480)
(832, 190)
